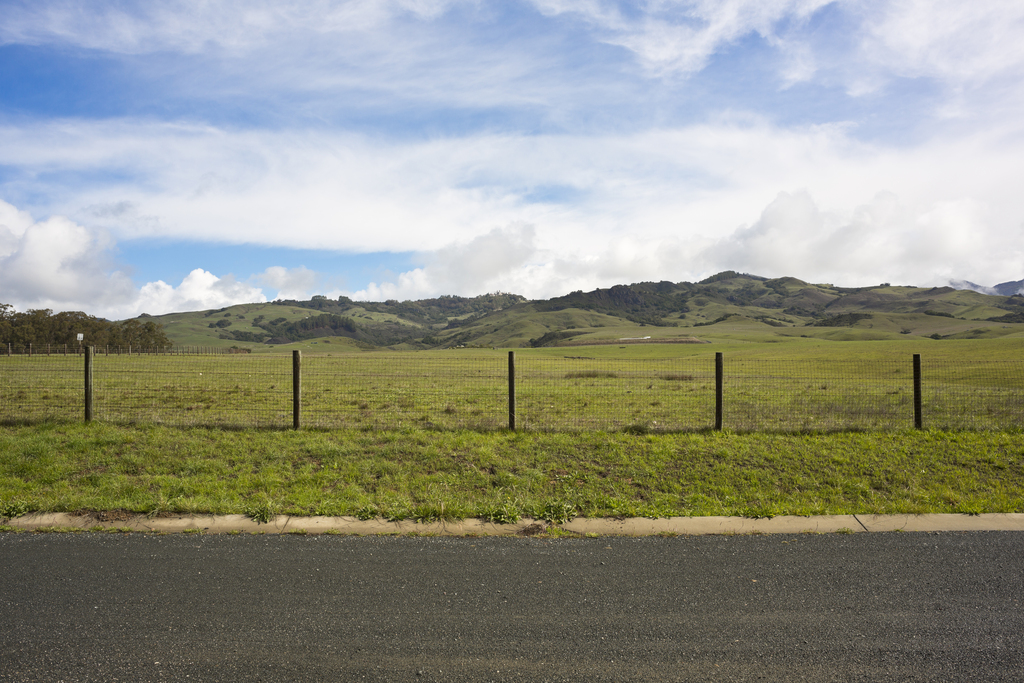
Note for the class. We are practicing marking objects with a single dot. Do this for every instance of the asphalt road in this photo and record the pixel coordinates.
(871, 607)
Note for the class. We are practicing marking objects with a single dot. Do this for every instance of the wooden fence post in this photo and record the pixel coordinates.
(719, 383)
(918, 417)
(512, 391)
(88, 383)
(296, 388)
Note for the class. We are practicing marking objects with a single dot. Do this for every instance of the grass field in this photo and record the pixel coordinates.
(806, 385)
(616, 430)
(502, 476)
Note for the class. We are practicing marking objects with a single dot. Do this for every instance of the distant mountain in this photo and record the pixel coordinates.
(1010, 288)
(736, 305)
(1002, 289)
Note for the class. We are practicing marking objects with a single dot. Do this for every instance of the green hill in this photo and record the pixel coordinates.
(727, 306)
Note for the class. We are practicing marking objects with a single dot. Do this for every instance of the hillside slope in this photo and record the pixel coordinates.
(727, 305)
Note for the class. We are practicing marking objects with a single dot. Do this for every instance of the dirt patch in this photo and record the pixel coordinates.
(621, 342)
(111, 515)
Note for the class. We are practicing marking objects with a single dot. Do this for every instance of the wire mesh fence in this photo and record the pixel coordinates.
(973, 394)
(221, 391)
(41, 388)
(108, 350)
(768, 395)
(599, 394)
(403, 390)
(445, 391)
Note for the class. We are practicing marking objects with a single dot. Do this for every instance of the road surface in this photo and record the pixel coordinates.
(802, 607)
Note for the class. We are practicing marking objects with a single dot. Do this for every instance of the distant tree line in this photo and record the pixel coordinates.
(335, 319)
(42, 326)
(646, 303)
(436, 311)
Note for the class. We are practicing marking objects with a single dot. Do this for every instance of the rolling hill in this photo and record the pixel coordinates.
(726, 305)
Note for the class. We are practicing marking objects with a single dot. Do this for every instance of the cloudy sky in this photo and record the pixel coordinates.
(187, 154)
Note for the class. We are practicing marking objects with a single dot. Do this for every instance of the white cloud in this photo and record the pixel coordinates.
(61, 265)
(290, 283)
(960, 43)
(679, 36)
(43, 263)
(190, 27)
(483, 264)
(864, 45)
(486, 258)
(591, 200)
(382, 55)
(13, 225)
(881, 240)
(199, 290)
(508, 259)
(607, 204)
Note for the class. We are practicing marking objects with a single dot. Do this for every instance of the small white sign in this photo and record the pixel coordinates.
(81, 336)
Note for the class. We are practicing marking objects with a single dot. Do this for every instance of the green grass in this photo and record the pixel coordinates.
(797, 385)
(502, 476)
(894, 314)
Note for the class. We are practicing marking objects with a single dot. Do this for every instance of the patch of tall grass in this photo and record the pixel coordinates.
(429, 475)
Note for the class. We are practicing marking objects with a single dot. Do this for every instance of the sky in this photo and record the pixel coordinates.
(173, 155)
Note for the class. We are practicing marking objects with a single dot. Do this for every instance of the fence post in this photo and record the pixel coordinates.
(512, 391)
(296, 388)
(719, 382)
(918, 418)
(88, 383)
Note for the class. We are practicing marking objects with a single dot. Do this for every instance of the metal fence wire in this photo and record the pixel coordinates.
(449, 391)
(596, 394)
(399, 391)
(40, 388)
(768, 395)
(973, 394)
(216, 391)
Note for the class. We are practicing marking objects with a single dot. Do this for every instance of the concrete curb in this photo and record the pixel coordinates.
(633, 526)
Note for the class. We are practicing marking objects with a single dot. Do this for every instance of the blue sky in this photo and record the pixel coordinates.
(172, 155)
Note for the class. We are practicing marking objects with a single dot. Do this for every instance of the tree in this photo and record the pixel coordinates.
(41, 326)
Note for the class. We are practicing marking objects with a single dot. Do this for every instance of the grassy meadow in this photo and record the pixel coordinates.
(386, 433)
(503, 476)
(798, 385)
